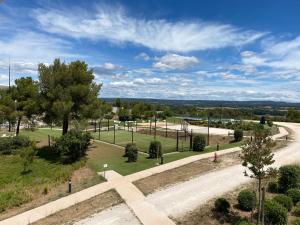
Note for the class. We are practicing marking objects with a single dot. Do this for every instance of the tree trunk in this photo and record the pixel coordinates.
(65, 124)
(259, 202)
(18, 125)
(9, 126)
(263, 206)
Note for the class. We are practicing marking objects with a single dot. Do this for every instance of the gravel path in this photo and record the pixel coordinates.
(180, 198)
(117, 215)
(202, 130)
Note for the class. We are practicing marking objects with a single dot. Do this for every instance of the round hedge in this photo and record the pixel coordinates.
(294, 194)
(247, 200)
(199, 143)
(131, 152)
(222, 205)
(275, 214)
(285, 201)
(272, 187)
(155, 149)
(289, 177)
(238, 135)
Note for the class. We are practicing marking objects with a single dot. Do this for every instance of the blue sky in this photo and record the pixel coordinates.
(216, 49)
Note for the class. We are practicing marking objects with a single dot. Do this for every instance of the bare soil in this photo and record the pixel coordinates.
(81, 179)
(158, 181)
(82, 209)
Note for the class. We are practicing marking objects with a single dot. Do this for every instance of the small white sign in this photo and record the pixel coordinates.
(105, 165)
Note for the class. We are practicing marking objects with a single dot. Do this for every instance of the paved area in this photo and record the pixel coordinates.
(202, 129)
(153, 209)
(117, 215)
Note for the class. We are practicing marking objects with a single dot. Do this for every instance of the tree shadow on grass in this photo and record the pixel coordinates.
(49, 154)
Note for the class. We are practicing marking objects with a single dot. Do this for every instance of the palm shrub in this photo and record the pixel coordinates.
(275, 214)
(285, 201)
(294, 194)
(199, 143)
(222, 205)
(297, 209)
(289, 177)
(238, 135)
(72, 146)
(155, 149)
(131, 152)
(247, 200)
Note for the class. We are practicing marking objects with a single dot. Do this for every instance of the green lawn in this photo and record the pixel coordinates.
(102, 153)
(142, 140)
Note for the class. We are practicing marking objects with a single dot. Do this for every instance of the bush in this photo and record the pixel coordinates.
(296, 222)
(72, 146)
(294, 194)
(275, 214)
(222, 205)
(131, 152)
(27, 155)
(238, 135)
(289, 177)
(285, 201)
(243, 222)
(155, 150)
(199, 143)
(270, 123)
(272, 187)
(297, 210)
(247, 200)
(10, 144)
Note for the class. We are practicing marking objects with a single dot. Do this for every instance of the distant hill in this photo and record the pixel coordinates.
(211, 103)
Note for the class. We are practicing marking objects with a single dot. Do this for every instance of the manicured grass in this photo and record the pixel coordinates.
(41, 135)
(142, 140)
(102, 153)
(17, 188)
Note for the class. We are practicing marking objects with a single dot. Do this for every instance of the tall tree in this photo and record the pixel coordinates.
(25, 93)
(8, 108)
(257, 156)
(67, 90)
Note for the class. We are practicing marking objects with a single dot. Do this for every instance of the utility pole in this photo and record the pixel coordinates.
(9, 73)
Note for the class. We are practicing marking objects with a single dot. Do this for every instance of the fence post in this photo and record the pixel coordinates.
(114, 134)
(131, 135)
(155, 127)
(49, 140)
(127, 126)
(150, 126)
(176, 140)
(107, 124)
(95, 126)
(166, 128)
(135, 126)
(191, 140)
(208, 124)
(184, 135)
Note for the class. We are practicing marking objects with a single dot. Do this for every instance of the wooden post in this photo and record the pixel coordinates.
(99, 132)
(166, 128)
(49, 140)
(127, 126)
(131, 135)
(208, 124)
(135, 126)
(114, 134)
(177, 140)
(150, 126)
(155, 127)
(107, 124)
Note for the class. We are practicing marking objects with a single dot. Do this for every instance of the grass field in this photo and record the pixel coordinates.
(142, 140)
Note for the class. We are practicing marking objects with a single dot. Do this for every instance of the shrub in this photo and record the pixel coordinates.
(131, 152)
(297, 210)
(222, 205)
(155, 149)
(285, 201)
(243, 222)
(27, 154)
(294, 194)
(272, 187)
(247, 200)
(296, 222)
(270, 123)
(289, 177)
(275, 214)
(199, 143)
(10, 144)
(238, 135)
(72, 146)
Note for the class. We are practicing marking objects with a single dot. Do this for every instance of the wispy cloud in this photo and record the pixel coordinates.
(114, 25)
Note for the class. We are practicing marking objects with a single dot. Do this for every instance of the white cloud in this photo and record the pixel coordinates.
(144, 56)
(114, 25)
(174, 61)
